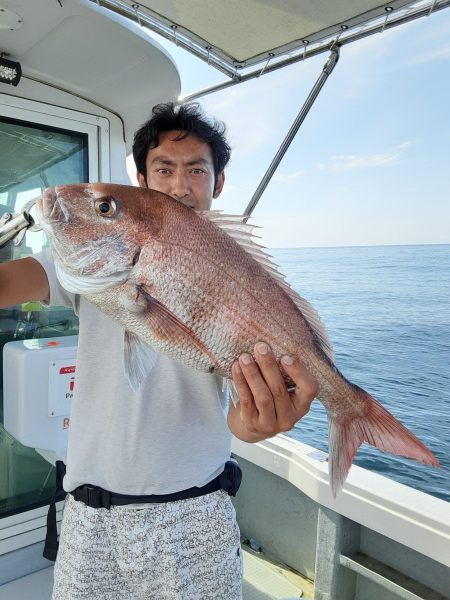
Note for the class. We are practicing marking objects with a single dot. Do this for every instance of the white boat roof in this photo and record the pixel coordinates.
(90, 52)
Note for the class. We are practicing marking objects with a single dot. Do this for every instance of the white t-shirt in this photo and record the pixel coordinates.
(169, 436)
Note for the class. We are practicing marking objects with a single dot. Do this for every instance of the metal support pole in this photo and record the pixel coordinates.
(326, 71)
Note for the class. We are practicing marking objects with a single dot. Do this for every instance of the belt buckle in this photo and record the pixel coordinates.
(95, 497)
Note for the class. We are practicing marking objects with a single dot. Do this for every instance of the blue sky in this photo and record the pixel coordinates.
(369, 166)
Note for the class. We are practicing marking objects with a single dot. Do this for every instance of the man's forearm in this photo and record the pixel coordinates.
(22, 281)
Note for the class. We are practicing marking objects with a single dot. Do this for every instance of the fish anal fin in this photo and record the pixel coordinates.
(377, 427)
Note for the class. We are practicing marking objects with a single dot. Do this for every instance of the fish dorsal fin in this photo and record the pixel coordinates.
(242, 232)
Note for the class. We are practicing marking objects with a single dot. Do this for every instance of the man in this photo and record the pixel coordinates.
(161, 449)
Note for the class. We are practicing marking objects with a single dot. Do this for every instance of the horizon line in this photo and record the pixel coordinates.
(357, 246)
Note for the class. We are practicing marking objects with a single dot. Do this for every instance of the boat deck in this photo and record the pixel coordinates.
(263, 580)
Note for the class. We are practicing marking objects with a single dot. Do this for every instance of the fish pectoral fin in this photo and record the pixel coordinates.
(132, 298)
(233, 393)
(138, 360)
(167, 326)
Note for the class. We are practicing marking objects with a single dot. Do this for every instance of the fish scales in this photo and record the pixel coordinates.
(200, 280)
(195, 286)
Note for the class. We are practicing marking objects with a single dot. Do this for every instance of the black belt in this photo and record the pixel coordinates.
(96, 497)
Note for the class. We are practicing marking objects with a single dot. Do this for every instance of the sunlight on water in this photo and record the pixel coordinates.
(387, 312)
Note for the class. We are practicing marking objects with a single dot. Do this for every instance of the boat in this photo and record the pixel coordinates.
(76, 80)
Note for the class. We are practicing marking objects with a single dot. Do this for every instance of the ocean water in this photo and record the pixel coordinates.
(387, 313)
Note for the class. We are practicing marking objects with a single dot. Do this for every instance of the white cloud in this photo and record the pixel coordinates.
(353, 161)
(433, 55)
(287, 177)
(232, 188)
(248, 128)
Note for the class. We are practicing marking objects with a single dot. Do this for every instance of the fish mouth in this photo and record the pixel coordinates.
(51, 207)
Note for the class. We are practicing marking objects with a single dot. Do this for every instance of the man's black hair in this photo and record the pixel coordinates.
(188, 118)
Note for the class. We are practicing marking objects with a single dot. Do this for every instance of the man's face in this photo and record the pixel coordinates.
(182, 169)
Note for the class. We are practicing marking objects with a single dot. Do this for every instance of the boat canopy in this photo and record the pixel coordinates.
(237, 35)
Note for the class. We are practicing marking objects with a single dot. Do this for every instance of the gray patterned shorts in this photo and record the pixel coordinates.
(183, 550)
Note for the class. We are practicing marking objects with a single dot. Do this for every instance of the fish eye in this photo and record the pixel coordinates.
(105, 207)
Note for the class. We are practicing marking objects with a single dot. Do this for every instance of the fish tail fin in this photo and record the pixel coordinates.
(377, 427)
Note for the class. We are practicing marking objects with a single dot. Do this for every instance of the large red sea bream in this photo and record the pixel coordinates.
(195, 286)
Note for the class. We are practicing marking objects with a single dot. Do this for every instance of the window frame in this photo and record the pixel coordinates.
(32, 113)
(29, 527)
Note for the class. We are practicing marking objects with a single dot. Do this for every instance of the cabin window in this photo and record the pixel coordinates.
(32, 157)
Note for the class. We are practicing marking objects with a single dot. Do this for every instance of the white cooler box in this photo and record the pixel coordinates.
(38, 385)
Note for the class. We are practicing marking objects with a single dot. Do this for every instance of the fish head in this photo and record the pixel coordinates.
(97, 231)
